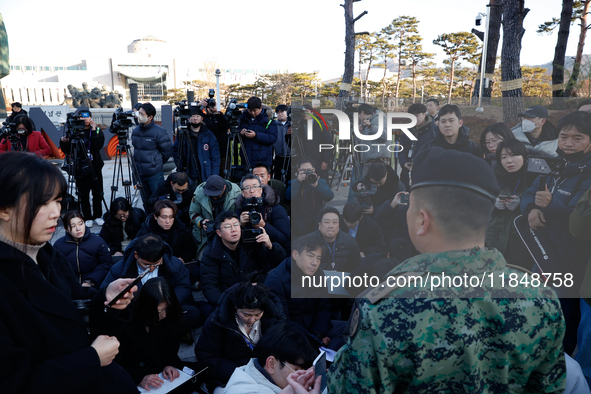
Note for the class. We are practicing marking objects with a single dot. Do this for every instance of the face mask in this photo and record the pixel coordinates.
(142, 119)
(21, 131)
(572, 157)
(136, 113)
(195, 125)
(528, 126)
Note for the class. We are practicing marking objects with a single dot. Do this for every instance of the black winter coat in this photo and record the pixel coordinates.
(44, 344)
(312, 314)
(179, 238)
(172, 269)
(277, 222)
(165, 192)
(222, 346)
(90, 257)
(112, 231)
(345, 256)
(462, 144)
(142, 353)
(219, 272)
(369, 238)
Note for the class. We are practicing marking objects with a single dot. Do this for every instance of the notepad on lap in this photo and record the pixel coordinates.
(168, 386)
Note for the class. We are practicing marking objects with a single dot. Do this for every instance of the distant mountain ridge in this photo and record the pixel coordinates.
(570, 60)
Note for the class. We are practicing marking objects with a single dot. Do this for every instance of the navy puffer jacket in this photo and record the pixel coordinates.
(152, 148)
(89, 257)
(260, 148)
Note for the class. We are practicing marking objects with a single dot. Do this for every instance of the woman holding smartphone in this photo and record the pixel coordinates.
(44, 344)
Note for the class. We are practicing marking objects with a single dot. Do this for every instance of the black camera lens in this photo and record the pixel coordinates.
(254, 217)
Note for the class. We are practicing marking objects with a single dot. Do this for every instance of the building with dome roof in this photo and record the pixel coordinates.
(148, 62)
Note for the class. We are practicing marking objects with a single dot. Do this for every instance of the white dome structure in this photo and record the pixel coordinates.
(149, 45)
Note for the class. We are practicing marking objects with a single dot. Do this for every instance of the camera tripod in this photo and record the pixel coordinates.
(233, 154)
(296, 146)
(75, 166)
(132, 172)
(15, 143)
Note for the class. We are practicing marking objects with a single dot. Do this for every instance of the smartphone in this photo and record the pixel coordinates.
(405, 199)
(129, 286)
(320, 369)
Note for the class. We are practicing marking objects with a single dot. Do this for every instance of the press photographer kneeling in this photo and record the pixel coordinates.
(258, 207)
(84, 162)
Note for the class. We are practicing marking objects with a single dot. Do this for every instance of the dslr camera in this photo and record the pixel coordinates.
(210, 100)
(249, 238)
(252, 203)
(311, 177)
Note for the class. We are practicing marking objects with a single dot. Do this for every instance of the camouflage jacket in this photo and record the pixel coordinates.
(447, 344)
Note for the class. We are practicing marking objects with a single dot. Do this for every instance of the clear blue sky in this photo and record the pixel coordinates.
(306, 35)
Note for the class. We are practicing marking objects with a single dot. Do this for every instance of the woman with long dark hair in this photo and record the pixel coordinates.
(29, 139)
(86, 252)
(44, 344)
(122, 224)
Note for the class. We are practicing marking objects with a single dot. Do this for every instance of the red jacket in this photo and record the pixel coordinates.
(35, 143)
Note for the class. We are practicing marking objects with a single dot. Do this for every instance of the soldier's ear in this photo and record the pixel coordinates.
(425, 222)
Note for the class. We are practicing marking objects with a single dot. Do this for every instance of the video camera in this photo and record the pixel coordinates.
(544, 167)
(9, 131)
(252, 203)
(121, 123)
(233, 114)
(295, 117)
(184, 111)
(75, 123)
(364, 193)
(249, 238)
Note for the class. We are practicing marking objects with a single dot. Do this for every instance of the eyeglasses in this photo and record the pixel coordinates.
(148, 266)
(492, 141)
(248, 188)
(288, 367)
(123, 216)
(229, 226)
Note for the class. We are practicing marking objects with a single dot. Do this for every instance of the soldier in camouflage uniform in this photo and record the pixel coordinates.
(480, 338)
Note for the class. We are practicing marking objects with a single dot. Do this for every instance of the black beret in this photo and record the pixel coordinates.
(441, 167)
